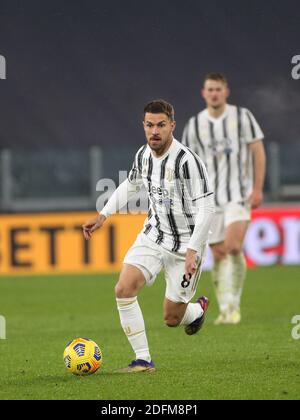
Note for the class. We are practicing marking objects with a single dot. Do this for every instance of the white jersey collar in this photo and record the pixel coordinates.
(220, 118)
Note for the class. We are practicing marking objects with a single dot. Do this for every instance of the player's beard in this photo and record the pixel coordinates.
(160, 146)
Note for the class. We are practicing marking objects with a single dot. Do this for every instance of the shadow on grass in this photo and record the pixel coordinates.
(56, 379)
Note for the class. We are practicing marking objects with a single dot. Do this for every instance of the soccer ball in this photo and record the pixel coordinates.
(82, 357)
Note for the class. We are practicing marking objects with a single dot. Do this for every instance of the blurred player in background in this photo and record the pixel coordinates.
(229, 141)
(174, 236)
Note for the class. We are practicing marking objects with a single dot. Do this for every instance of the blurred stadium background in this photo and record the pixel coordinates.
(77, 80)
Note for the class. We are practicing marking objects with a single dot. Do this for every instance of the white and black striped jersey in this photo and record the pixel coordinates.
(223, 145)
(176, 183)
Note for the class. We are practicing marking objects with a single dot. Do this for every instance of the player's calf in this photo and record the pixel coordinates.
(173, 313)
(235, 249)
(172, 321)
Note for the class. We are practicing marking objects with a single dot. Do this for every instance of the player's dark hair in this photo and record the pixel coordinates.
(218, 77)
(160, 106)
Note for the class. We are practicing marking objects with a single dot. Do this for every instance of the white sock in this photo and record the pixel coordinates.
(239, 270)
(132, 321)
(221, 275)
(193, 311)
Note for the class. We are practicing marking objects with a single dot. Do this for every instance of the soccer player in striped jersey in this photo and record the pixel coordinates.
(174, 237)
(229, 141)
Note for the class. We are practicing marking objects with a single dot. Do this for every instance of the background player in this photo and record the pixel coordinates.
(174, 236)
(229, 140)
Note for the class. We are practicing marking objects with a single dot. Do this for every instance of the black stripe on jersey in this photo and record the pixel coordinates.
(213, 141)
(239, 155)
(148, 229)
(171, 218)
(137, 165)
(253, 131)
(228, 160)
(186, 208)
(187, 176)
(179, 158)
(149, 176)
(163, 171)
(140, 158)
(148, 226)
(150, 170)
(201, 171)
(203, 196)
(198, 135)
(132, 175)
(160, 237)
(175, 233)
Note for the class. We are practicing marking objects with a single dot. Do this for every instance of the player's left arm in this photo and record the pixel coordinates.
(199, 237)
(201, 202)
(259, 159)
(254, 138)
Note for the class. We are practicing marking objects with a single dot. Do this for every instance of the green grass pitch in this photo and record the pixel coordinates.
(255, 360)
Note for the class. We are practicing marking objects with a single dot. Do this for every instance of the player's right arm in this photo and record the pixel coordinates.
(92, 225)
(123, 194)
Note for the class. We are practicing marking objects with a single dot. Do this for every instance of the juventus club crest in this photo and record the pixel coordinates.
(170, 174)
(222, 146)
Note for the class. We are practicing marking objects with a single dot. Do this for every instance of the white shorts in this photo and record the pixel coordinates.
(225, 216)
(151, 258)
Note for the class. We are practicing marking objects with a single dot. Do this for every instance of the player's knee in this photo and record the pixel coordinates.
(124, 291)
(172, 320)
(119, 291)
(235, 249)
(219, 254)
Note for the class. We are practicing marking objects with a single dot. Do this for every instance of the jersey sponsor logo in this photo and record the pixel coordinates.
(221, 146)
(161, 197)
(162, 192)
